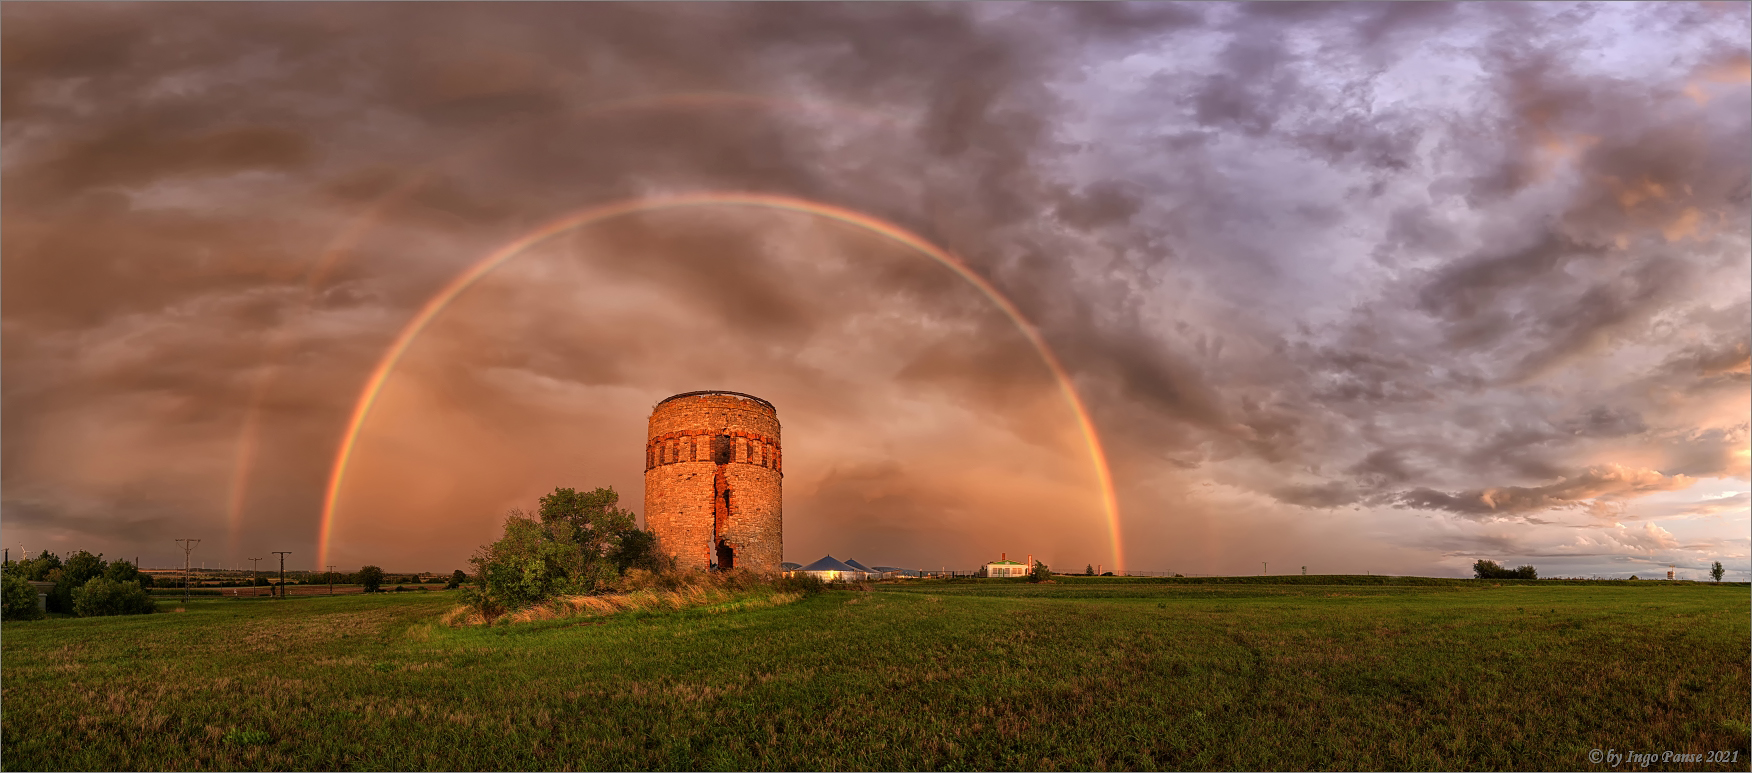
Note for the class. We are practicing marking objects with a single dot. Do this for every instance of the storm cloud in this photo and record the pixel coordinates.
(1401, 279)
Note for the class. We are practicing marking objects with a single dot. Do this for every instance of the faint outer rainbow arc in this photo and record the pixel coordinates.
(437, 303)
(248, 438)
(249, 431)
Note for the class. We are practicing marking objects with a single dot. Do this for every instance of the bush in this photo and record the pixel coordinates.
(371, 577)
(1039, 572)
(101, 596)
(125, 571)
(457, 578)
(77, 570)
(799, 582)
(579, 543)
(18, 600)
(1491, 570)
(37, 569)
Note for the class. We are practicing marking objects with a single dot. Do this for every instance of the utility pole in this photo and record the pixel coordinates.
(331, 579)
(1264, 568)
(188, 546)
(255, 577)
(282, 554)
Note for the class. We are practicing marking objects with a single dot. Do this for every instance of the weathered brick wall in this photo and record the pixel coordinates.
(713, 467)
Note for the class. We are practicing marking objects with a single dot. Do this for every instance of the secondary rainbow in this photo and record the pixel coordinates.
(386, 365)
(249, 431)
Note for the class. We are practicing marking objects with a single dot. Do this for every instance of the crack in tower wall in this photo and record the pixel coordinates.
(713, 473)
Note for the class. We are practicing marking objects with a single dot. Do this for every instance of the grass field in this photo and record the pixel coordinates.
(1082, 674)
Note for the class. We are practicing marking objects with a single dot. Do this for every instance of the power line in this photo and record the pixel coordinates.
(255, 578)
(282, 554)
(188, 546)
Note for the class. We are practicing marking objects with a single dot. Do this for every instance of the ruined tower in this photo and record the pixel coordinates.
(712, 473)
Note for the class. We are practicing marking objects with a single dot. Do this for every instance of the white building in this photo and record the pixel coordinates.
(1004, 567)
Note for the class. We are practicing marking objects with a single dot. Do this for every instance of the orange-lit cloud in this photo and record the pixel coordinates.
(1307, 303)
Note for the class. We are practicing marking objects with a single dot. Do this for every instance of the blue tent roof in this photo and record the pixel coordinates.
(830, 564)
(860, 567)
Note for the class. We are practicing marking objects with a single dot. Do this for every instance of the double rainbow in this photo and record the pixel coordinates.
(438, 302)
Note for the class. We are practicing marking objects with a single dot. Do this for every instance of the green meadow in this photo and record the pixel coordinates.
(1084, 673)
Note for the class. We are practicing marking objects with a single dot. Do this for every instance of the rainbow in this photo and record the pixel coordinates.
(248, 437)
(386, 365)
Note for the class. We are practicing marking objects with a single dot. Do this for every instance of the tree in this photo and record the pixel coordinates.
(1716, 571)
(37, 569)
(18, 600)
(78, 569)
(371, 577)
(457, 578)
(1491, 570)
(1089, 570)
(576, 543)
(638, 550)
(1039, 572)
(124, 571)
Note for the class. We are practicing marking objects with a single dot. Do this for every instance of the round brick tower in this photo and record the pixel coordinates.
(712, 473)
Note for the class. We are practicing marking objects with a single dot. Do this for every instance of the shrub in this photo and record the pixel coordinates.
(1039, 572)
(125, 571)
(1491, 570)
(18, 600)
(578, 543)
(77, 570)
(457, 578)
(101, 596)
(799, 582)
(371, 577)
(37, 569)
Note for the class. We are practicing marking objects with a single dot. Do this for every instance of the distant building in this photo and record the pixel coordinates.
(830, 569)
(1004, 567)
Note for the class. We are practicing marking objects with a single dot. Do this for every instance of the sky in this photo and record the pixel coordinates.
(1322, 287)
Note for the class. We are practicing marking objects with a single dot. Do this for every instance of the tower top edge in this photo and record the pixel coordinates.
(710, 392)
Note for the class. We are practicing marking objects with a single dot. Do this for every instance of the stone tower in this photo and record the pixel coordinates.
(712, 474)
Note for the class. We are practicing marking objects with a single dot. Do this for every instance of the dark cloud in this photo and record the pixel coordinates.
(1596, 486)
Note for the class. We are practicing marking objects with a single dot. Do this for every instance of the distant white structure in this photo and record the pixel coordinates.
(830, 569)
(1004, 567)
